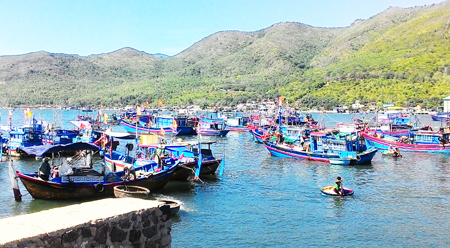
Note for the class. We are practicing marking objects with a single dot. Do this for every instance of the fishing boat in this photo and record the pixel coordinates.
(297, 120)
(60, 136)
(185, 153)
(324, 147)
(77, 179)
(237, 124)
(395, 118)
(440, 116)
(212, 127)
(160, 125)
(423, 141)
(26, 136)
(257, 133)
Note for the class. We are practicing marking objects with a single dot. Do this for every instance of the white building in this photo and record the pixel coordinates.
(447, 104)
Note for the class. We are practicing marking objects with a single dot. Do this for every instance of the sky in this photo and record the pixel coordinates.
(87, 27)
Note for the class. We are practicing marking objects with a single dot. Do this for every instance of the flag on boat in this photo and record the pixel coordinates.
(280, 100)
(138, 110)
(82, 124)
(174, 125)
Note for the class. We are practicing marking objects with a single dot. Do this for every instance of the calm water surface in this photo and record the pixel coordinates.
(264, 201)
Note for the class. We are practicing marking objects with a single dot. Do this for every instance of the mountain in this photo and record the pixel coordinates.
(399, 55)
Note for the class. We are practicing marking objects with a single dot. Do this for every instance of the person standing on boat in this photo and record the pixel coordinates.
(44, 169)
(338, 189)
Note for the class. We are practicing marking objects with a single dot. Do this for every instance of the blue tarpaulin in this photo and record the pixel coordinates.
(41, 150)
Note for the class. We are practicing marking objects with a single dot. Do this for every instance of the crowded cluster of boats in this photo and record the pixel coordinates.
(86, 162)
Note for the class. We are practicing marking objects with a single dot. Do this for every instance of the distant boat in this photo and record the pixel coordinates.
(237, 124)
(212, 127)
(440, 116)
(423, 141)
(162, 125)
(325, 148)
(28, 135)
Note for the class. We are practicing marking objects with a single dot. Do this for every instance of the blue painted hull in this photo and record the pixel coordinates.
(257, 135)
(130, 128)
(284, 151)
(384, 144)
(214, 132)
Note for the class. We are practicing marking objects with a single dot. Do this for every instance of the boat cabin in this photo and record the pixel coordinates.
(429, 137)
(212, 124)
(329, 143)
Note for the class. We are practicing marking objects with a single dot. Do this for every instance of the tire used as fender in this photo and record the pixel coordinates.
(99, 187)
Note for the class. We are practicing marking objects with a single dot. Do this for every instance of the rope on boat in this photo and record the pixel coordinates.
(185, 167)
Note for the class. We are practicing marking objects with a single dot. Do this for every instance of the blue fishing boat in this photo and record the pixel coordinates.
(237, 124)
(161, 125)
(394, 118)
(440, 116)
(212, 127)
(20, 137)
(423, 141)
(324, 147)
(75, 178)
(257, 133)
(60, 136)
(185, 153)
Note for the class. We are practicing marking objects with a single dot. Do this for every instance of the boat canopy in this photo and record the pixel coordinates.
(40, 151)
(119, 135)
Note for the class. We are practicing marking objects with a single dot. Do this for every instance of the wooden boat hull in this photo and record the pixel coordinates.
(384, 144)
(237, 128)
(174, 205)
(213, 132)
(123, 191)
(186, 170)
(257, 136)
(284, 151)
(340, 161)
(328, 190)
(40, 189)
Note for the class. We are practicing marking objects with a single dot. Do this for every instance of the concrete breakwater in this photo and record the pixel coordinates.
(112, 222)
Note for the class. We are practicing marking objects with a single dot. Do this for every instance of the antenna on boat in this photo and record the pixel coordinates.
(222, 164)
(200, 158)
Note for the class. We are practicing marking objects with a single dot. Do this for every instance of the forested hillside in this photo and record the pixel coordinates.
(399, 56)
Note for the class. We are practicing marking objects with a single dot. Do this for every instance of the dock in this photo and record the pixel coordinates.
(112, 222)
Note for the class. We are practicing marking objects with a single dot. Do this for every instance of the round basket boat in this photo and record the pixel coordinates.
(121, 191)
(329, 190)
(174, 205)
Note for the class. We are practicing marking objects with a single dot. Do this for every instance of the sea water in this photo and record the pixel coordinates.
(265, 201)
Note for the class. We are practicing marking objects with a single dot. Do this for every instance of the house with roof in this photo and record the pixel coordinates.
(447, 104)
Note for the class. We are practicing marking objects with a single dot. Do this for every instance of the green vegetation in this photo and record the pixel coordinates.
(397, 56)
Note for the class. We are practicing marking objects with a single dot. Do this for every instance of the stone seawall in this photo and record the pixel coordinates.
(114, 222)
